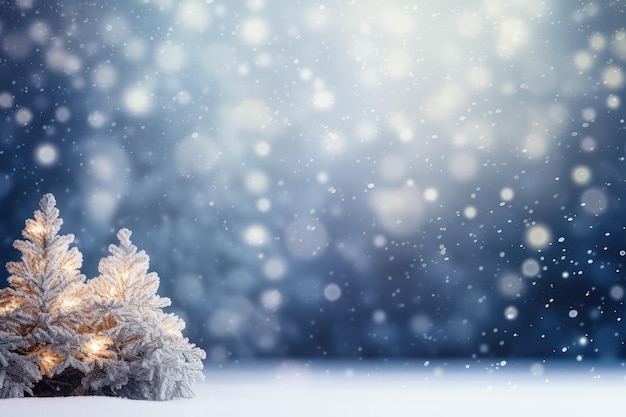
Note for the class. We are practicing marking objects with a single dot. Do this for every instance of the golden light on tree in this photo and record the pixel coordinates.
(97, 344)
(69, 303)
(9, 307)
(37, 229)
(47, 361)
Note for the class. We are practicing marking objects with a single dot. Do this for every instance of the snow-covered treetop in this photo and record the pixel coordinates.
(124, 277)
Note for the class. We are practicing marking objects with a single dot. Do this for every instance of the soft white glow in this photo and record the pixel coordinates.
(511, 312)
(531, 268)
(254, 31)
(104, 76)
(263, 205)
(253, 114)
(583, 60)
(257, 182)
(170, 57)
(306, 238)
(323, 99)
(469, 25)
(613, 102)
(6, 100)
(256, 235)
(397, 62)
(58, 59)
(594, 201)
(538, 236)
(463, 166)
(62, 114)
(470, 212)
(617, 292)
(135, 49)
(613, 77)
(46, 154)
(588, 144)
(23, 116)
(332, 292)
(535, 146)
(379, 241)
(102, 205)
(96, 119)
(271, 299)
(511, 285)
(479, 77)
(399, 211)
(507, 194)
(262, 148)
(581, 175)
(194, 15)
(396, 21)
(450, 98)
(333, 143)
(137, 101)
(379, 316)
(597, 41)
(431, 194)
(402, 125)
(512, 35)
(274, 269)
(393, 167)
(39, 32)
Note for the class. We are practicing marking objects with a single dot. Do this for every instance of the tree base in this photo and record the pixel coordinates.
(65, 384)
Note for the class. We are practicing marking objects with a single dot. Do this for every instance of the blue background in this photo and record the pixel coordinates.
(335, 179)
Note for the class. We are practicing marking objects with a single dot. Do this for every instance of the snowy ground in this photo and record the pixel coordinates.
(371, 389)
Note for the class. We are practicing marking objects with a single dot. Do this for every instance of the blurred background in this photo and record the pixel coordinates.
(341, 179)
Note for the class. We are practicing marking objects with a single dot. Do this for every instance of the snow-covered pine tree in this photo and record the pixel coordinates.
(150, 357)
(38, 319)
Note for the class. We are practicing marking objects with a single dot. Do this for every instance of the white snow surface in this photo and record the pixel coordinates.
(367, 389)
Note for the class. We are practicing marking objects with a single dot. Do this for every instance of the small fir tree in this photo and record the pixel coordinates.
(109, 336)
(39, 306)
(151, 359)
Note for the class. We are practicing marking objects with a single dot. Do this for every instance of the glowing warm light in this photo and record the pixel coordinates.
(37, 229)
(173, 331)
(95, 346)
(47, 361)
(8, 307)
(98, 344)
(70, 303)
